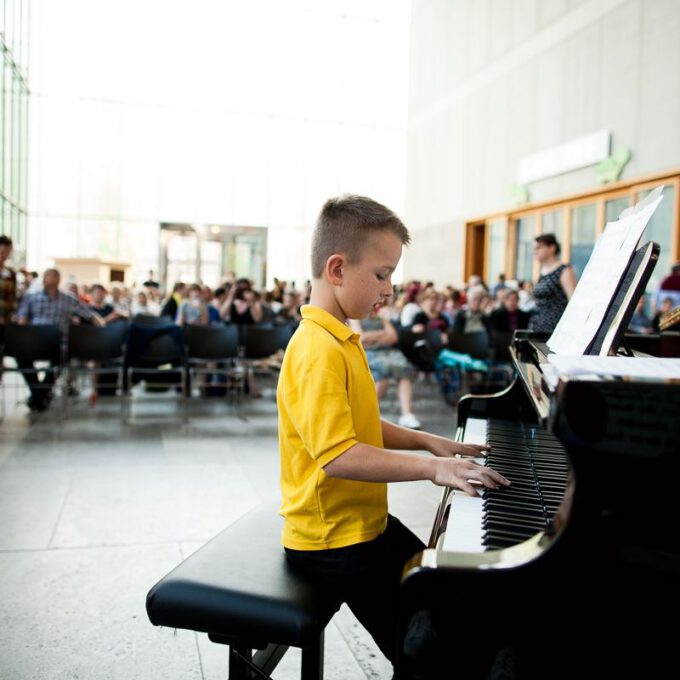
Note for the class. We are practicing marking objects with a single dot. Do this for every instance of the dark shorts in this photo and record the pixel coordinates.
(366, 576)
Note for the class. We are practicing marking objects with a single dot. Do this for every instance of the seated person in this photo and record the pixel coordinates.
(640, 322)
(144, 305)
(193, 311)
(508, 317)
(289, 311)
(385, 361)
(471, 319)
(104, 309)
(431, 317)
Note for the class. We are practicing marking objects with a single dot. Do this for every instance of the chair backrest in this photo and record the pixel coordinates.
(475, 344)
(416, 348)
(212, 342)
(151, 320)
(501, 341)
(154, 345)
(89, 343)
(259, 342)
(33, 343)
(434, 340)
(283, 335)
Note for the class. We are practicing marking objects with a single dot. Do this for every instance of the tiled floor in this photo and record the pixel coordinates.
(93, 513)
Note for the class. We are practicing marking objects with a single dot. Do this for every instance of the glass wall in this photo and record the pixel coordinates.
(577, 221)
(659, 229)
(14, 93)
(552, 222)
(583, 231)
(495, 263)
(524, 252)
(614, 207)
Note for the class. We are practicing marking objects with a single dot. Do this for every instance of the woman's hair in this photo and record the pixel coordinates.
(549, 240)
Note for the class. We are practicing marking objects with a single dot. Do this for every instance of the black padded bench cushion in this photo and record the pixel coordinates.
(240, 586)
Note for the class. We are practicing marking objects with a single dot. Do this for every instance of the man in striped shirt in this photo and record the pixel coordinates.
(49, 306)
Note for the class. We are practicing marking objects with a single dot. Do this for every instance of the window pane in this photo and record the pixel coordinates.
(614, 207)
(495, 264)
(552, 222)
(525, 248)
(659, 229)
(583, 227)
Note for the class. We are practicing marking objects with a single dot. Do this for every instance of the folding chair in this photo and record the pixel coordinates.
(28, 345)
(259, 343)
(97, 352)
(478, 346)
(156, 355)
(151, 320)
(212, 351)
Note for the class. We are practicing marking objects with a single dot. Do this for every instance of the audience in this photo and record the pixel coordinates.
(49, 306)
(8, 283)
(386, 362)
(194, 310)
(508, 317)
(472, 318)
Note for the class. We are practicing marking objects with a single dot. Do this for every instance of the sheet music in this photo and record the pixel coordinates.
(597, 286)
(653, 368)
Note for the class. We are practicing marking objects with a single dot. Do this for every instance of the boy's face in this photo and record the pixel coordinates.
(367, 284)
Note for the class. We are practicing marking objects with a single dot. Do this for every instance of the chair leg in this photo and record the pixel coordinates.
(127, 398)
(238, 668)
(312, 661)
(185, 399)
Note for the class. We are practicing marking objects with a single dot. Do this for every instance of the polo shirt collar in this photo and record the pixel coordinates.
(327, 321)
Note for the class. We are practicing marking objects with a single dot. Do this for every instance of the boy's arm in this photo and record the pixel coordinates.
(403, 438)
(366, 463)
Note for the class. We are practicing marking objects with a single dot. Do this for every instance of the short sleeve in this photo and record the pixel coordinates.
(24, 307)
(317, 405)
(77, 307)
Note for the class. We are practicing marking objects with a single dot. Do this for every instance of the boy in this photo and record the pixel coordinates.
(336, 455)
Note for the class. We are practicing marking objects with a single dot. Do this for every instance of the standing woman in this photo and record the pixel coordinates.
(555, 286)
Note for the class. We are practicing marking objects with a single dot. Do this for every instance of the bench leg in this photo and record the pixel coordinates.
(268, 659)
(312, 661)
(238, 668)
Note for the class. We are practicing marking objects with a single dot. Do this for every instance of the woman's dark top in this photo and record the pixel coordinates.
(244, 317)
(438, 322)
(551, 301)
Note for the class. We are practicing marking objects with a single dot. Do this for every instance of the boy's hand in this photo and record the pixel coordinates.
(446, 448)
(459, 473)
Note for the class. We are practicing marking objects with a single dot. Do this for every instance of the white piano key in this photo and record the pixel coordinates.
(464, 527)
(475, 431)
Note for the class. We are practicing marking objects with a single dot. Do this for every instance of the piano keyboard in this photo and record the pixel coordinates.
(536, 464)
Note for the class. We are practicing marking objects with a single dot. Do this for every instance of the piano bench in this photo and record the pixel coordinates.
(240, 590)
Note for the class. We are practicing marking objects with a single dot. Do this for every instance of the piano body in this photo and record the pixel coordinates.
(574, 570)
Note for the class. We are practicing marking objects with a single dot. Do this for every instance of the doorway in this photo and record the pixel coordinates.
(210, 254)
(475, 251)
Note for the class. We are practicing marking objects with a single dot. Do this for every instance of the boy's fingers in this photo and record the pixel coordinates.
(473, 449)
(487, 476)
(464, 485)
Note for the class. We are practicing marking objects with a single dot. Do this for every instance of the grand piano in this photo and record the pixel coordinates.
(574, 570)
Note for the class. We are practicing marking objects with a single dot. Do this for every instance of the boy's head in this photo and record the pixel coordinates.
(345, 226)
(356, 246)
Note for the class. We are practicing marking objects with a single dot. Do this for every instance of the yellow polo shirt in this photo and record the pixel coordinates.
(327, 404)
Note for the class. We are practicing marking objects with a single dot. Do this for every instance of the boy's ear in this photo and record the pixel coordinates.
(334, 267)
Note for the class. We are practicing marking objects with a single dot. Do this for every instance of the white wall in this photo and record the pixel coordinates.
(228, 112)
(495, 80)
